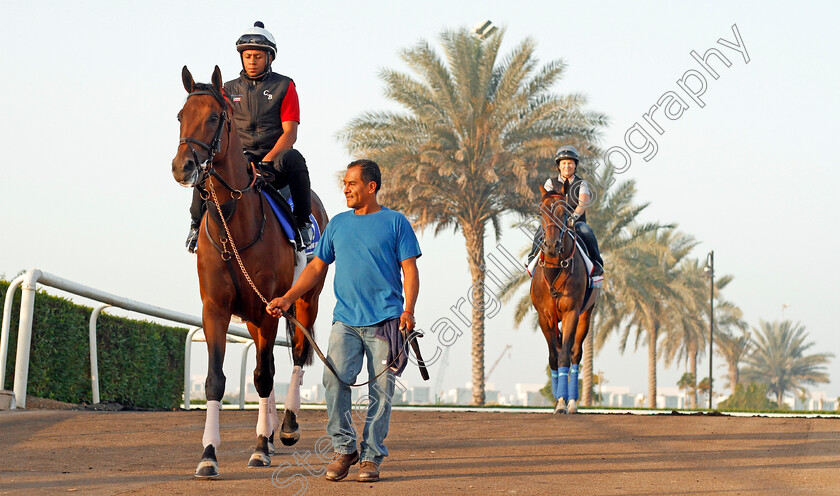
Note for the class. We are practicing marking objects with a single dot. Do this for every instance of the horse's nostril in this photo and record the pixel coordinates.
(189, 165)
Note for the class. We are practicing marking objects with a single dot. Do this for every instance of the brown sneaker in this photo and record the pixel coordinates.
(340, 465)
(369, 472)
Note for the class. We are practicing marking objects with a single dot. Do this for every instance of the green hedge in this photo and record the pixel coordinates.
(140, 363)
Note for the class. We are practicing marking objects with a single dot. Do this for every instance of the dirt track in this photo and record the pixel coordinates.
(47, 451)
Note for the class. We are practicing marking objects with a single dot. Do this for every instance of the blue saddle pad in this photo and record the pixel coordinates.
(286, 223)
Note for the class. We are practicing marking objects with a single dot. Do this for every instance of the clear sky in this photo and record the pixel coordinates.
(92, 88)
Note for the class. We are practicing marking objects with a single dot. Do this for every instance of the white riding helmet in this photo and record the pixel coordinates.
(257, 38)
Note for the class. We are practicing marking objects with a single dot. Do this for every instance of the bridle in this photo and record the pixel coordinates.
(215, 146)
(552, 222)
(548, 221)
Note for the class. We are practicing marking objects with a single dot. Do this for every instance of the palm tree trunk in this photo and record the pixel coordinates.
(692, 366)
(586, 395)
(733, 376)
(474, 235)
(588, 355)
(653, 334)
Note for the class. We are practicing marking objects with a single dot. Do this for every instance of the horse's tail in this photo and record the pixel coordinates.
(302, 352)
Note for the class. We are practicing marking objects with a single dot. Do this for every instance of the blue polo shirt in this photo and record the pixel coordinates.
(367, 251)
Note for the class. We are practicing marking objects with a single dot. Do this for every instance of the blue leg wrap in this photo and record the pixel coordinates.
(563, 383)
(554, 383)
(573, 382)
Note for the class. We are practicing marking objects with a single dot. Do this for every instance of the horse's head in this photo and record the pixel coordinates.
(203, 121)
(553, 213)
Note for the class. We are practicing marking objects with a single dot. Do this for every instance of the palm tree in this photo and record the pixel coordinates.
(688, 337)
(652, 305)
(477, 134)
(733, 349)
(778, 358)
(688, 384)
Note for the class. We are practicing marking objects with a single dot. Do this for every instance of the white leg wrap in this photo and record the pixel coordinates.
(293, 396)
(211, 425)
(272, 411)
(263, 421)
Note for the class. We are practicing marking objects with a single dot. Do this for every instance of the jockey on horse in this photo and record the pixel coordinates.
(267, 114)
(567, 159)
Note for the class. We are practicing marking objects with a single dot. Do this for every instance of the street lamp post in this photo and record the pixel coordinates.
(709, 271)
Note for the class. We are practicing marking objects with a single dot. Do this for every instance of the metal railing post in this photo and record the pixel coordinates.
(94, 362)
(27, 311)
(7, 322)
(242, 375)
(187, 376)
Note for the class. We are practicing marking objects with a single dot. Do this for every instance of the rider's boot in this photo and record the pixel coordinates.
(591, 242)
(192, 238)
(197, 208)
(305, 230)
(535, 248)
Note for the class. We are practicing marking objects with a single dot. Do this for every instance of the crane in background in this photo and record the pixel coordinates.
(496, 363)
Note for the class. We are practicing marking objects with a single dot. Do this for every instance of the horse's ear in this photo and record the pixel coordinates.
(217, 79)
(542, 190)
(187, 78)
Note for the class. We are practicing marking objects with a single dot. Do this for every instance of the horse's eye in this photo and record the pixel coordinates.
(214, 117)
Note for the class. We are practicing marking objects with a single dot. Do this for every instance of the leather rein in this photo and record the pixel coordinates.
(562, 265)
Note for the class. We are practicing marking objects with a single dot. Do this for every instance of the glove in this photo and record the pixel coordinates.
(572, 219)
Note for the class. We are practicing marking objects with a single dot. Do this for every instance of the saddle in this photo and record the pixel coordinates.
(282, 205)
(591, 282)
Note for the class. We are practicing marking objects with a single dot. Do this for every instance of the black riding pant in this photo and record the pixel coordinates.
(289, 170)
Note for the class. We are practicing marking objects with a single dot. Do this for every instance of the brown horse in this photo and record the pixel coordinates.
(558, 289)
(238, 282)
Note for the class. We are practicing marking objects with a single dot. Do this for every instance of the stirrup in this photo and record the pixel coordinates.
(306, 236)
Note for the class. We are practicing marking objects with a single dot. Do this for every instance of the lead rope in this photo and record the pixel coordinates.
(288, 315)
(232, 244)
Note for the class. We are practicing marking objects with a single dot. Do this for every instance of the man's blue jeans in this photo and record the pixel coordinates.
(348, 345)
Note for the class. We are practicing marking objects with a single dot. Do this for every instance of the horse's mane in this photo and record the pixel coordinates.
(550, 193)
(220, 97)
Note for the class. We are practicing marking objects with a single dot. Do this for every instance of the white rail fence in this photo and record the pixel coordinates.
(33, 277)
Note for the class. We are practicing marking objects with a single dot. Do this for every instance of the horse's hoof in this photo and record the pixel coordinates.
(208, 467)
(271, 450)
(259, 460)
(560, 406)
(572, 407)
(289, 430)
(289, 438)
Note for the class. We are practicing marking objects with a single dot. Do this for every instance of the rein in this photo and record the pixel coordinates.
(562, 265)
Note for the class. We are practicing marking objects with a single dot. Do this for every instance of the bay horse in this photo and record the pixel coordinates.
(558, 289)
(210, 155)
